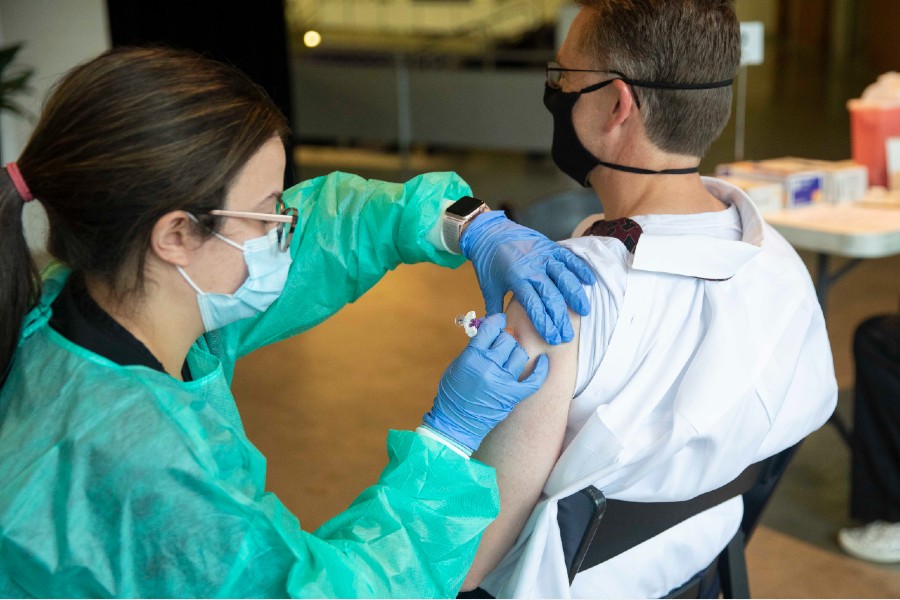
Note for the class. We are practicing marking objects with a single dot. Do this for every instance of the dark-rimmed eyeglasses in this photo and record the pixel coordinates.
(285, 221)
(555, 73)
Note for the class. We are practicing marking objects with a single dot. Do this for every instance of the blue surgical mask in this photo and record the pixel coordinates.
(268, 269)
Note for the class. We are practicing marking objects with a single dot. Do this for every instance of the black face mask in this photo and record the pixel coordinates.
(569, 153)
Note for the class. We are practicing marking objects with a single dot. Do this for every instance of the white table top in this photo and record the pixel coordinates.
(861, 230)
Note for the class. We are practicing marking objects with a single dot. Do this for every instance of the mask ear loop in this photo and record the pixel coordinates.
(189, 280)
(632, 83)
(231, 243)
(183, 273)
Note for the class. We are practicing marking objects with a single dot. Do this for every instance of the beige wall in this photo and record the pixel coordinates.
(57, 35)
(759, 10)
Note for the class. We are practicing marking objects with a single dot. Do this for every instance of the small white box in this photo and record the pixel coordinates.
(767, 196)
(893, 162)
(801, 187)
(845, 181)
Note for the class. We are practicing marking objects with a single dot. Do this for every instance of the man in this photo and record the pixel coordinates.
(705, 350)
(875, 483)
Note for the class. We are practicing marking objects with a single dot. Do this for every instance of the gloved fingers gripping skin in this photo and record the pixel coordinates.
(502, 347)
(517, 361)
(534, 307)
(554, 305)
(491, 327)
(508, 256)
(577, 266)
(539, 375)
(481, 386)
(570, 286)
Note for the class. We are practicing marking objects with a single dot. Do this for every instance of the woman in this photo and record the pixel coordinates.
(125, 466)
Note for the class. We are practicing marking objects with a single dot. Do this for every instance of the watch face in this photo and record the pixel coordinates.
(464, 206)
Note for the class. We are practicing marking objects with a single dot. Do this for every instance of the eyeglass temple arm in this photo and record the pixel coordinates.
(254, 216)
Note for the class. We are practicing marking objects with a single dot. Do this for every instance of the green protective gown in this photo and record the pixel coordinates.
(122, 481)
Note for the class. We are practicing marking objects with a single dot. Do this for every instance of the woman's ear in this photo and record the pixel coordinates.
(172, 239)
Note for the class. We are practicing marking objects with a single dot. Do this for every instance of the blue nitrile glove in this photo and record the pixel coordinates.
(542, 275)
(482, 385)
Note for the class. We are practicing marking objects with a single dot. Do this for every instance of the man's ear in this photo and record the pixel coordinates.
(624, 106)
(172, 238)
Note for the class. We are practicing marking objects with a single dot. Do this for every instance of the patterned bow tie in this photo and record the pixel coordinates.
(625, 230)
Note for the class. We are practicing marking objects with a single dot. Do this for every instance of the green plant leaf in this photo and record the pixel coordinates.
(7, 55)
(13, 84)
(18, 82)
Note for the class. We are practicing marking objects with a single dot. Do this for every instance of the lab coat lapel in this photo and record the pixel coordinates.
(699, 256)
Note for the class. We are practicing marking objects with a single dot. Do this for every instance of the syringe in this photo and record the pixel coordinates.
(469, 322)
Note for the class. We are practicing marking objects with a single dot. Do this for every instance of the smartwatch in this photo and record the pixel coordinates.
(457, 217)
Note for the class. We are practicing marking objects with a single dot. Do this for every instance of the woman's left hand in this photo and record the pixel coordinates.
(542, 275)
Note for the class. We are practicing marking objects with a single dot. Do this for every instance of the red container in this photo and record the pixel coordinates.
(870, 128)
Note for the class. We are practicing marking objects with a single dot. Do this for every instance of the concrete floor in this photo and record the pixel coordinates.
(319, 405)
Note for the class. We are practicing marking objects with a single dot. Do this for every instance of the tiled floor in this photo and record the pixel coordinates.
(319, 405)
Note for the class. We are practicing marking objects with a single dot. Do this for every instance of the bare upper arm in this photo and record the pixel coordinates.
(525, 446)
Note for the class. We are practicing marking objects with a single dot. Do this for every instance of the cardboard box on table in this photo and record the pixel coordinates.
(844, 180)
(801, 186)
(766, 195)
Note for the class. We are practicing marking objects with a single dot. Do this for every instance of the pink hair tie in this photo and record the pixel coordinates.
(19, 181)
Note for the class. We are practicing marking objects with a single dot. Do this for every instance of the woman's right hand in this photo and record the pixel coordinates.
(482, 385)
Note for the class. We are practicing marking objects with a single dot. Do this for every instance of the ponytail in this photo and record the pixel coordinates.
(19, 278)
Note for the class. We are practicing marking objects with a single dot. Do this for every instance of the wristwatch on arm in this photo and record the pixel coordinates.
(457, 217)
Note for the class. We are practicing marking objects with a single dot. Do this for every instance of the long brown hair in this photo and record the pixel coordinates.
(124, 139)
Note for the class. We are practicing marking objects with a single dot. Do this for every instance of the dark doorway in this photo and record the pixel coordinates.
(250, 35)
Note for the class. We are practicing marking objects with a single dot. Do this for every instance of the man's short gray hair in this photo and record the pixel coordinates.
(674, 41)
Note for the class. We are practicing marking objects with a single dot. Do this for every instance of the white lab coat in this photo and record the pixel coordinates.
(700, 378)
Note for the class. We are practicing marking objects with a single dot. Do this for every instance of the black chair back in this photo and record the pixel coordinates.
(594, 528)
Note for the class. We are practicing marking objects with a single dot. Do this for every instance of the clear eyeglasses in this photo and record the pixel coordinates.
(285, 221)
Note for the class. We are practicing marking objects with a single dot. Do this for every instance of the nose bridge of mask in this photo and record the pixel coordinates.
(262, 254)
(264, 244)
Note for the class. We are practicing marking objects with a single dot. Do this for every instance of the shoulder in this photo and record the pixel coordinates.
(598, 250)
(785, 261)
(607, 257)
(775, 244)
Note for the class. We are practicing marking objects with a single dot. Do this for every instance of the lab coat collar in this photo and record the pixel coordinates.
(53, 278)
(703, 256)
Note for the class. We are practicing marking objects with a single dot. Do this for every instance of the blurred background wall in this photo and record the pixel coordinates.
(411, 76)
(55, 36)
